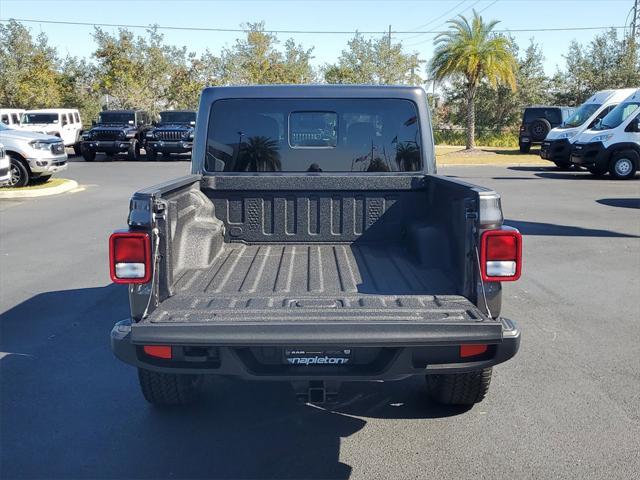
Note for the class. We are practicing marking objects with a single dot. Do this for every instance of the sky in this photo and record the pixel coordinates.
(332, 15)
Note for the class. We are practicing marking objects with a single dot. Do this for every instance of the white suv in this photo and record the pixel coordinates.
(59, 122)
(11, 116)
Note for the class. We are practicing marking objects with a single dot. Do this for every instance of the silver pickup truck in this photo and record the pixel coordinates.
(314, 243)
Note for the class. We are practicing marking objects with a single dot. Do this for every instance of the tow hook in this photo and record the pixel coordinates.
(316, 391)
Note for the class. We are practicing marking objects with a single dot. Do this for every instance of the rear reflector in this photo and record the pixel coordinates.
(130, 257)
(158, 351)
(472, 350)
(501, 255)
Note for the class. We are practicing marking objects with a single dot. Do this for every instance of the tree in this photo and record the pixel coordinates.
(374, 62)
(255, 59)
(77, 85)
(607, 62)
(475, 53)
(29, 69)
(499, 107)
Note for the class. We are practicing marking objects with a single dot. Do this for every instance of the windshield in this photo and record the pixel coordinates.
(618, 115)
(117, 117)
(177, 117)
(313, 135)
(31, 118)
(581, 115)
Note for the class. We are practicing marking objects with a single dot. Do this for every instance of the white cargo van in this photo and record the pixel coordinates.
(613, 145)
(556, 147)
(59, 122)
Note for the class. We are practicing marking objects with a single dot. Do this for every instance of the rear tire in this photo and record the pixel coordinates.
(564, 166)
(134, 150)
(525, 148)
(459, 388)
(165, 389)
(623, 165)
(598, 172)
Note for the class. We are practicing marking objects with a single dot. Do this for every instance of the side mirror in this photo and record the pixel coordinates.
(636, 125)
(93, 123)
(154, 123)
(140, 123)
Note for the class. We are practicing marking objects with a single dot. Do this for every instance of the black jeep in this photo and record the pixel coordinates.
(173, 134)
(538, 121)
(116, 131)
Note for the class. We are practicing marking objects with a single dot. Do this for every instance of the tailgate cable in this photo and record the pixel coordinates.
(156, 258)
(484, 293)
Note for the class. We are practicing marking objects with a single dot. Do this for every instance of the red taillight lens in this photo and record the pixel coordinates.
(501, 255)
(472, 350)
(130, 257)
(158, 351)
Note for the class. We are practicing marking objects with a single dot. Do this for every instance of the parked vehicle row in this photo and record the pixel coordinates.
(129, 131)
(603, 135)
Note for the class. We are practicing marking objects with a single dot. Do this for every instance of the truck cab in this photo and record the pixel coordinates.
(612, 145)
(116, 131)
(173, 134)
(556, 147)
(64, 123)
(314, 243)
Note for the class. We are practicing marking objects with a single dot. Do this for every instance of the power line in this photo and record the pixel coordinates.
(301, 32)
(436, 19)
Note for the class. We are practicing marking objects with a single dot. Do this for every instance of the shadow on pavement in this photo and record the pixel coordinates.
(69, 409)
(620, 202)
(552, 229)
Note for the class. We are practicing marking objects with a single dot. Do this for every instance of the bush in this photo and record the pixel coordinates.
(484, 139)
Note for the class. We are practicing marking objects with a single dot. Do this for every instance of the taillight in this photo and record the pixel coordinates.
(158, 351)
(472, 350)
(501, 255)
(130, 257)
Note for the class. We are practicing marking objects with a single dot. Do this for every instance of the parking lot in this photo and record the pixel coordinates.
(567, 406)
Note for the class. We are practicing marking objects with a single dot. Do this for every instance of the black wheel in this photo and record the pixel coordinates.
(564, 166)
(77, 149)
(152, 155)
(539, 128)
(134, 150)
(597, 171)
(88, 155)
(623, 165)
(525, 148)
(459, 388)
(169, 388)
(19, 173)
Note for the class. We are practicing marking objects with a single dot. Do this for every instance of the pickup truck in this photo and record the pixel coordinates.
(314, 243)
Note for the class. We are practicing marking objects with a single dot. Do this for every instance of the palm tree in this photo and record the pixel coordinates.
(259, 154)
(475, 52)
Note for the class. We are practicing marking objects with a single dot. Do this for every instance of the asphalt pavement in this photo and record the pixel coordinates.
(567, 406)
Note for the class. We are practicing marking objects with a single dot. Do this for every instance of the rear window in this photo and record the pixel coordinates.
(313, 135)
(553, 115)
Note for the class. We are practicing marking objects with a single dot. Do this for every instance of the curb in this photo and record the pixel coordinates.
(40, 192)
(493, 165)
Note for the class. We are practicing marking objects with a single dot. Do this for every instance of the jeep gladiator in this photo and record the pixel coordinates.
(314, 243)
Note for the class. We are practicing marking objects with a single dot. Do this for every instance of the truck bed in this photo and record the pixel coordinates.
(300, 287)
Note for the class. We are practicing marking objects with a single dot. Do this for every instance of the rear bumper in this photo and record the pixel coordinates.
(590, 155)
(556, 151)
(162, 146)
(379, 353)
(107, 146)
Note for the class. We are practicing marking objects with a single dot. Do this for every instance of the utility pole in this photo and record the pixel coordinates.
(389, 56)
(636, 18)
